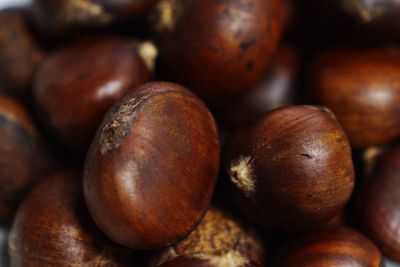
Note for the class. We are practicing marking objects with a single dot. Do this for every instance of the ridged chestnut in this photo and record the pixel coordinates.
(78, 83)
(25, 157)
(361, 88)
(218, 48)
(20, 54)
(341, 246)
(53, 228)
(292, 169)
(220, 234)
(379, 203)
(229, 260)
(152, 166)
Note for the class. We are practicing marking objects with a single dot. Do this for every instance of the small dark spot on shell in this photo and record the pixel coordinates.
(306, 156)
(250, 66)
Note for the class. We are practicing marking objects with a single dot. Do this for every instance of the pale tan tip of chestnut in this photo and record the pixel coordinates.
(241, 174)
(148, 52)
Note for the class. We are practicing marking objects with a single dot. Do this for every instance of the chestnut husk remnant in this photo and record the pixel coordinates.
(25, 157)
(341, 246)
(361, 88)
(78, 83)
(230, 259)
(20, 54)
(219, 49)
(292, 169)
(378, 203)
(220, 234)
(53, 228)
(152, 166)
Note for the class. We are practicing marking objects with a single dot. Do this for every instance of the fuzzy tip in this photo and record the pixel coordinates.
(229, 259)
(241, 174)
(367, 11)
(167, 12)
(148, 52)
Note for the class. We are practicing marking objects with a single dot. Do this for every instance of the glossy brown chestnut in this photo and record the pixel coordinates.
(220, 233)
(53, 228)
(218, 48)
(229, 260)
(292, 169)
(379, 203)
(152, 166)
(361, 88)
(277, 89)
(20, 55)
(24, 156)
(334, 247)
(78, 83)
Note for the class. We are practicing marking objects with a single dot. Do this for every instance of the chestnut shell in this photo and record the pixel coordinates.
(152, 166)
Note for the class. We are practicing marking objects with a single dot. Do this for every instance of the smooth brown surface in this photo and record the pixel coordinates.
(20, 55)
(24, 156)
(342, 247)
(291, 170)
(277, 89)
(205, 261)
(362, 89)
(54, 228)
(151, 169)
(79, 82)
(379, 203)
(218, 48)
(219, 233)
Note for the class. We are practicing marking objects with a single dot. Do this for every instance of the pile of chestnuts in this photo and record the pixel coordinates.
(203, 133)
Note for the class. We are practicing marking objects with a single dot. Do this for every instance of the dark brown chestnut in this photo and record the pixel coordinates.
(231, 259)
(20, 55)
(334, 247)
(24, 156)
(218, 48)
(220, 233)
(379, 203)
(292, 169)
(60, 17)
(277, 89)
(361, 88)
(78, 83)
(53, 228)
(152, 166)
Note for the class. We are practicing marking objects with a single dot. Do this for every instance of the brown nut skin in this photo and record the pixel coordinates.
(333, 247)
(20, 55)
(53, 228)
(361, 88)
(24, 156)
(228, 260)
(378, 203)
(152, 166)
(277, 89)
(219, 233)
(218, 48)
(78, 83)
(292, 169)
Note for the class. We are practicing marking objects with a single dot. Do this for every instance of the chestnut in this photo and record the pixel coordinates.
(218, 48)
(360, 87)
(20, 54)
(231, 259)
(379, 203)
(55, 18)
(77, 84)
(25, 157)
(219, 234)
(53, 228)
(341, 246)
(152, 166)
(292, 169)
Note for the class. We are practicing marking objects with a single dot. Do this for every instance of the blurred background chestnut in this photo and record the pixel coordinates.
(361, 88)
(25, 157)
(20, 54)
(79, 82)
(53, 228)
(232, 260)
(220, 49)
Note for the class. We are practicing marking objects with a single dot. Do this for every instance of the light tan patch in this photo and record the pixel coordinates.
(229, 259)
(148, 52)
(241, 174)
